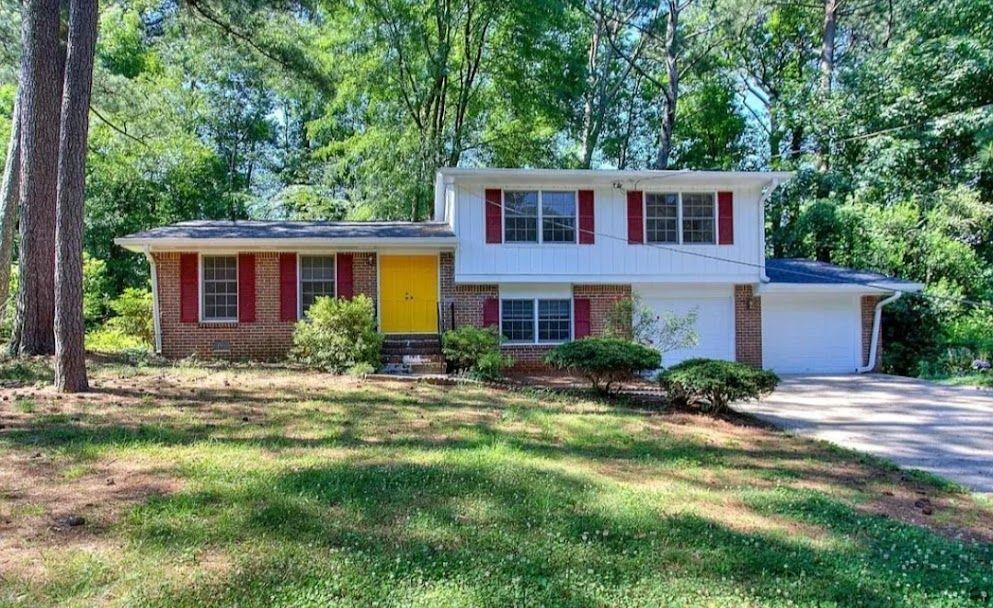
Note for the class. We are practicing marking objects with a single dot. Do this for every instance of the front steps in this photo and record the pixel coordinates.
(413, 354)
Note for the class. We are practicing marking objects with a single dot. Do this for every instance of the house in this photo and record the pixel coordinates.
(542, 254)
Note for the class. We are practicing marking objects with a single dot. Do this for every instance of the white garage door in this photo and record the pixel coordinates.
(811, 333)
(714, 324)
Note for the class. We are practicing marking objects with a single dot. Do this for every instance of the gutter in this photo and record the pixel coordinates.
(770, 188)
(156, 323)
(874, 344)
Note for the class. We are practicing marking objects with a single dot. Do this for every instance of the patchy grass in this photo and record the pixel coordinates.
(273, 487)
(979, 380)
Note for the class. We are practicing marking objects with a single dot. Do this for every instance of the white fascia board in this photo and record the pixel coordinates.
(870, 288)
(284, 244)
(628, 179)
(603, 279)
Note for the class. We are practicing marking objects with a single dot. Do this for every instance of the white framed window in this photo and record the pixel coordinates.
(699, 218)
(219, 286)
(539, 216)
(316, 277)
(536, 321)
(662, 217)
(685, 218)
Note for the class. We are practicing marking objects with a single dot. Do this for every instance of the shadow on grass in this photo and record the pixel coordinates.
(479, 531)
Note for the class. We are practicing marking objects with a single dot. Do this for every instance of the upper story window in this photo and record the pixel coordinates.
(316, 279)
(220, 288)
(533, 216)
(688, 217)
(662, 217)
(699, 223)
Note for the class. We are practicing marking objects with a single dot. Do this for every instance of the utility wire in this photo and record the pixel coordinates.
(882, 285)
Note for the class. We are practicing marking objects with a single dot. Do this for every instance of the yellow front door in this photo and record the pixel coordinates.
(408, 291)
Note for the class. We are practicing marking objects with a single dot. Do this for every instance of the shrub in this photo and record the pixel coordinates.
(714, 384)
(491, 366)
(603, 361)
(132, 314)
(338, 335)
(465, 346)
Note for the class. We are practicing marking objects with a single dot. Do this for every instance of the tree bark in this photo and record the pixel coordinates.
(70, 356)
(828, 41)
(10, 189)
(670, 96)
(41, 94)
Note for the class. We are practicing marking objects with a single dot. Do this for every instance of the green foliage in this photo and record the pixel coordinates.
(133, 315)
(715, 384)
(338, 335)
(96, 289)
(632, 319)
(475, 350)
(603, 361)
(111, 340)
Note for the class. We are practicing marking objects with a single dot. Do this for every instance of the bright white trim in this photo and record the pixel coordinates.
(201, 316)
(282, 244)
(769, 189)
(870, 288)
(540, 216)
(603, 279)
(625, 179)
(333, 255)
(680, 236)
(534, 317)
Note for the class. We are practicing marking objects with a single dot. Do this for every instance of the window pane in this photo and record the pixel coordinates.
(220, 287)
(558, 217)
(662, 217)
(698, 218)
(517, 320)
(554, 320)
(316, 279)
(520, 217)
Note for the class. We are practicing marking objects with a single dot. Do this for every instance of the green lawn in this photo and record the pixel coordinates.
(273, 487)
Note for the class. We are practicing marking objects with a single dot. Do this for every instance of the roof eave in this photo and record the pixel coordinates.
(141, 244)
(609, 176)
(875, 287)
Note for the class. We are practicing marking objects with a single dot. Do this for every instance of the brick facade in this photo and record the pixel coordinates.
(267, 338)
(868, 316)
(747, 326)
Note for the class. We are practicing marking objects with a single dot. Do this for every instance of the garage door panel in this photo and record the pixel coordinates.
(810, 334)
(714, 326)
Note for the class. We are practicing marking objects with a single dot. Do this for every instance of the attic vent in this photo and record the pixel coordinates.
(220, 347)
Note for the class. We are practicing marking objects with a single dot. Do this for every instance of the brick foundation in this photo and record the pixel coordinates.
(868, 315)
(267, 338)
(747, 326)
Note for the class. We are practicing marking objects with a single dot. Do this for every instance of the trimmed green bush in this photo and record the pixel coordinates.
(475, 350)
(603, 361)
(338, 335)
(714, 384)
(132, 315)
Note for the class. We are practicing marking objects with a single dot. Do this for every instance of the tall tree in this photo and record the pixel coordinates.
(70, 356)
(41, 94)
(10, 189)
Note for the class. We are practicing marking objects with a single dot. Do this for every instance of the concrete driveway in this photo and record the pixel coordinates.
(944, 430)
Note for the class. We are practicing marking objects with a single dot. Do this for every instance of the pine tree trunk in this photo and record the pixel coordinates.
(70, 356)
(41, 96)
(10, 189)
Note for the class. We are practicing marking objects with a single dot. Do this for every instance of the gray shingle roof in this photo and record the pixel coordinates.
(253, 229)
(813, 272)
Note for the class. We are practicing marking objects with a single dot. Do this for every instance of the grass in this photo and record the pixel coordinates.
(977, 379)
(273, 487)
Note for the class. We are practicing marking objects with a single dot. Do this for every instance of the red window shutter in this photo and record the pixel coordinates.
(491, 312)
(636, 224)
(725, 218)
(287, 287)
(494, 215)
(344, 275)
(587, 228)
(246, 287)
(581, 317)
(189, 299)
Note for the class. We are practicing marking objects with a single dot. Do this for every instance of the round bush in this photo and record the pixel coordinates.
(714, 384)
(603, 361)
(338, 335)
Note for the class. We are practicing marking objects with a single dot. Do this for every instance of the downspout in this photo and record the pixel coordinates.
(773, 184)
(155, 301)
(877, 318)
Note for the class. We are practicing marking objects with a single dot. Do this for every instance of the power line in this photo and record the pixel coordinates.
(871, 284)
